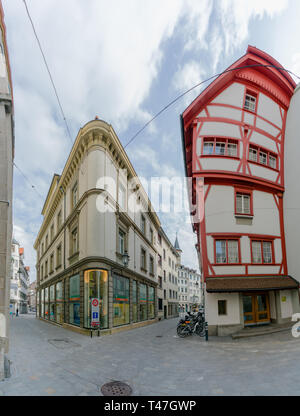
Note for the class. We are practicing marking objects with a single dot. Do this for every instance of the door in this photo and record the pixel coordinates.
(165, 312)
(256, 308)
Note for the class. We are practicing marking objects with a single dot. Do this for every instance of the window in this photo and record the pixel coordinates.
(143, 224)
(217, 146)
(74, 241)
(74, 195)
(59, 220)
(120, 300)
(46, 241)
(164, 276)
(42, 248)
(160, 304)
(222, 307)
(159, 260)
(227, 251)
(262, 252)
(121, 242)
(58, 256)
(143, 259)
(164, 254)
(151, 235)
(159, 238)
(51, 263)
(134, 301)
(263, 157)
(74, 300)
(151, 265)
(143, 301)
(52, 232)
(243, 203)
(250, 101)
(160, 282)
(46, 268)
(151, 302)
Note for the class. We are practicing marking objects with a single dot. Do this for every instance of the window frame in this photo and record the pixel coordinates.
(226, 309)
(215, 140)
(261, 241)
(243, 191)
(252, 94)
(226, 239)
(260, 149)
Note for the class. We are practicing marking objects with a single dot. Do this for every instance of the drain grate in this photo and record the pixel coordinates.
(116, 388)
(159, 336)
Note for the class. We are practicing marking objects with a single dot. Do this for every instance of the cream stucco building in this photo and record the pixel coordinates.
(100, 238)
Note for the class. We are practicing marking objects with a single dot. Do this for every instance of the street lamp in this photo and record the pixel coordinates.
(125, 258)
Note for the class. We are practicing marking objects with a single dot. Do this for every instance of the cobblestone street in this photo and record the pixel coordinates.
(48, 360)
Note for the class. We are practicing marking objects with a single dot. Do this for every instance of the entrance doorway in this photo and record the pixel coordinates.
(256, 308)
(165, 312)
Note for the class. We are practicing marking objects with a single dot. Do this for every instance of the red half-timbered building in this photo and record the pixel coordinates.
(233, 141)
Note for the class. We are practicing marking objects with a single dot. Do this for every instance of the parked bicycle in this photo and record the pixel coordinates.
(191, 324)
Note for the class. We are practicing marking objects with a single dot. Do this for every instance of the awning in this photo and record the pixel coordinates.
(248, 284)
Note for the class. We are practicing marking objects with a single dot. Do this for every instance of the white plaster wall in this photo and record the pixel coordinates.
(249, 118)
(261, 124)
(263, 269)
(268, 109)
(278, 250)
(272, 305)
(233, 309)
(245, 249)
(227, 112)
(229, 270)
(233, 95)
(220, 129)
(219, 163)
(291, 201)
(265, 173)
(260, 139)
(286, 307)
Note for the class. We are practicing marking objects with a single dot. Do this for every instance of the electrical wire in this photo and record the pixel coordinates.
(48, 70)
(27, 180)
(197, 85)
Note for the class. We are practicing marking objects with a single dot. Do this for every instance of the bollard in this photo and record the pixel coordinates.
(206, 331)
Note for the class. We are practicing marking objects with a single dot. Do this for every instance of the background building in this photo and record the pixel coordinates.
(6, 176)
(99, 238)
(234, 148)
(168, 261)
(32, 297)
(189, 289)
(19, 280)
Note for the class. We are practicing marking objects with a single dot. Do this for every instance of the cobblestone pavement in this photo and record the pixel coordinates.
(48, 360)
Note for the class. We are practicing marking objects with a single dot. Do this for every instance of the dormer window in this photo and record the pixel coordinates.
(250, 101)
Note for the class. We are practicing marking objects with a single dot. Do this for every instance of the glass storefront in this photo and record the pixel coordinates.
(38, 303)
(151, 308)
(134, 302)
(74, 300)
(143, 302)
(96, 286)
(46, 303)
(120, 300)
(42, 303)
(59, 302)
(52, 303)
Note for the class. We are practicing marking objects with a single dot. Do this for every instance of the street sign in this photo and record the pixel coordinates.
(95, 319)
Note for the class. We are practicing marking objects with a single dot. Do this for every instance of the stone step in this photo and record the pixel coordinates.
(260, 331)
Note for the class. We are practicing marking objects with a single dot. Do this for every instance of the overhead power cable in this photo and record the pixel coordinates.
(197, 85)
(49, 72)
(27, 180)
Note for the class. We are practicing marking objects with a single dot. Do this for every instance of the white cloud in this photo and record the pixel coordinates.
(190, 74)
(295, 68)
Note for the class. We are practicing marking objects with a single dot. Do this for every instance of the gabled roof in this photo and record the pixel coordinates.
(255, 61)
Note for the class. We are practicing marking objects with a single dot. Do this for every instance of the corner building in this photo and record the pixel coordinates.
(96, 214)
(234, 142)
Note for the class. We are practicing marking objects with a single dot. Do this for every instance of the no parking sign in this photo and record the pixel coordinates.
(95, 312)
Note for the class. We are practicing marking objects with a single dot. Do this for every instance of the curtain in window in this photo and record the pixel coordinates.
(267, 251)
(221, 251)
(256, 251)
(233, 251)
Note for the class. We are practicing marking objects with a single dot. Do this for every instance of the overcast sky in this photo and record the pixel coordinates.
(123, 61)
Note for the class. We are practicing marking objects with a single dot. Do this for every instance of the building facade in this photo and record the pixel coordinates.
(234, 138)
(19, 283)
(189, 289)
(168, 261)
(6, 177)
(32, 297)
(98, 239)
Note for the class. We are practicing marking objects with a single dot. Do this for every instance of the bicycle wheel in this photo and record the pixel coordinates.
(181, 331)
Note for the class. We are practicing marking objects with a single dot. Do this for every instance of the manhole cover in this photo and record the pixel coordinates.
(116, 388)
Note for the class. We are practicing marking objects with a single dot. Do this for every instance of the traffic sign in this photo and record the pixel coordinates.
(95, 312)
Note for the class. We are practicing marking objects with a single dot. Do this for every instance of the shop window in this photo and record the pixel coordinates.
(74, 300)
(151, 298)
(52, 303)
(96, 286)
(134, 301)
(120, 300)
(143, 302)
(59, 302)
